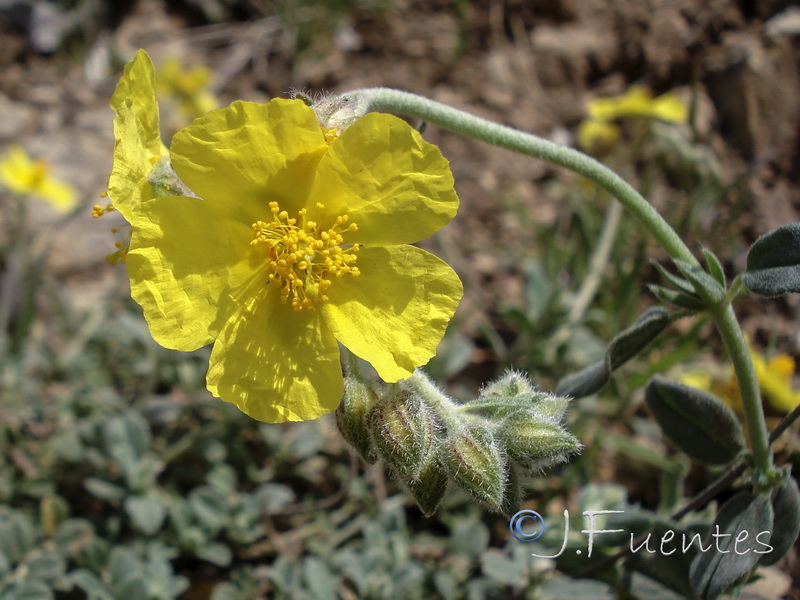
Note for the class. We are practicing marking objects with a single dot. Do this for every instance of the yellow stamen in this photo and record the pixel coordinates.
(301, 255)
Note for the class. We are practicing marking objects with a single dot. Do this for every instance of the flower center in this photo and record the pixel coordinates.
(303, 257)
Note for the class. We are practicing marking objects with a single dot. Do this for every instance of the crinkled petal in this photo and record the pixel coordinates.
(395, 313)
(276, 364)
(138, 86)
(190, 266)
(394, 185)
(136, 152)
(249, 154)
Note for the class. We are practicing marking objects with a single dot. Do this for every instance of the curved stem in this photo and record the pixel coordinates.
(385, 99)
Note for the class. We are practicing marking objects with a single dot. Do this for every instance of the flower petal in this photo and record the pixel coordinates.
(249, 154)
(275, 364)
(136, 151)
(395, 313)
(138, 143)
(394, 185)
(190, 266)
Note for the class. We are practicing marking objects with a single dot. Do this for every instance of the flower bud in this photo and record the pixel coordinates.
(474, 460)
(403, 431)
(429, 487)
(513, 392)
(534, 442)
(351, 416)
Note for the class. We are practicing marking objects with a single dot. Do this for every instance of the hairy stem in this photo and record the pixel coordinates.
(385, 99)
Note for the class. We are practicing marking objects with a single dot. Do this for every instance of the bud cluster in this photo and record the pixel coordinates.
(485, 446)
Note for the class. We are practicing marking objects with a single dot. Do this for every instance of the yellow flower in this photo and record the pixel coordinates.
(597, 136)
(775, 380)
(296, 244)
(638, 101)
(22, 175)
(187, 87)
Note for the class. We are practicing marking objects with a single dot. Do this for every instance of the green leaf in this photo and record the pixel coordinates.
(733, 543)
(695, 421)
(18, 536)
(498, 567)
(678, 299)
(708, 288)
(669, 565)
(48, 567)
(226, 591)
(147, 513)
(715, 267)
(786, 509)
(92, 586)
(678, 282)
(585, 382)
(319, 579)
(773, 263)
(103, 489)
(32, 590)
(216, 553)
(629, 342)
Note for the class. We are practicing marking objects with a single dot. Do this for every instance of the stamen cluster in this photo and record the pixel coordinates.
(303, 255)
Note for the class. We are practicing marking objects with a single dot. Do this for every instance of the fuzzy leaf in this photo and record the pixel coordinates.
(629, 342)
(715, 267)
(786, 508)
(773, 263)
(585, 382)
(676, 298)
(146, 513)
(695, 421)
(733, 551)
(708, 288)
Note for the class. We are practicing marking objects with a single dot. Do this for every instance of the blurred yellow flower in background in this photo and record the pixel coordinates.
(25, 176)
(774, 380)
(296, 244)
(188, 88)
(598, 133)
(638, 101)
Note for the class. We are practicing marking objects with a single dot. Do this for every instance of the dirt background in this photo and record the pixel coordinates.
(533, 65)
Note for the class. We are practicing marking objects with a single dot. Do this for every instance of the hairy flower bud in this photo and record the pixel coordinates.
(514, 392)
(429, 487)
(351, 416)
(403, 431)
(475, 461)
(536, 442)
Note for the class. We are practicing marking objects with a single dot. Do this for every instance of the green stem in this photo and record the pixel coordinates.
(734, 341)
(385, 99)
(430, 111)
